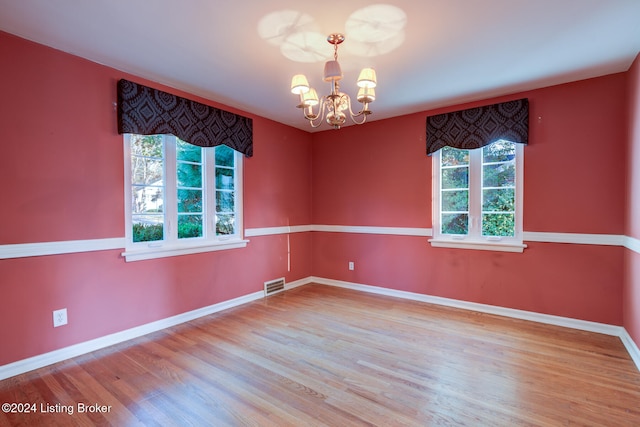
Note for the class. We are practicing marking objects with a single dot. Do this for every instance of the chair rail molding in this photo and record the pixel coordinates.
(21, 250)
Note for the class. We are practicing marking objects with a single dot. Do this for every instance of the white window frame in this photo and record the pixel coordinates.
(474, 239)
(171, 245)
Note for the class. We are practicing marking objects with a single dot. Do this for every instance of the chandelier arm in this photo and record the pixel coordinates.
(319, 116)
(311, 115)
(363, 113)
(334, 106)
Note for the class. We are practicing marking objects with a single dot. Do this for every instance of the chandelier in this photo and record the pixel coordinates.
(336, 105)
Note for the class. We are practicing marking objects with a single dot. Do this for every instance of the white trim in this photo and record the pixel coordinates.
(398, 231)
(42, 360)
(507, 246)
(583, 325)
(632, 244)
(475, 187)
(55, 356)
(167, 250)
(628, 242)
(575, 238)
(297, 283)
(21, 250)
(36, 362)
(631, 347)
(171, 244)
(269, 231)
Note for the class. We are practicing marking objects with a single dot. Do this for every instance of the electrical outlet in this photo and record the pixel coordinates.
(59, 317)
(351, 265)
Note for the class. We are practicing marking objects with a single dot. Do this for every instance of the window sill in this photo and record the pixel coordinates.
(479, 245)
(165, 250)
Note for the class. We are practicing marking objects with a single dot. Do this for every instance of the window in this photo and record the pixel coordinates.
(477, 199)
(180, 198)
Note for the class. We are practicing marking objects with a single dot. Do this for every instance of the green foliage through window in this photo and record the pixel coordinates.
(147, 189)
(147, 232)
(490, 202)
(454, 193)
(498, 189)
(197, 200)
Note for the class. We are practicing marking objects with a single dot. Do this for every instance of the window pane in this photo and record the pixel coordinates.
(455, 223)
(188, 152)
(147, 228)
(454, 157)
(189, 175)
(189, 201)
(189, 226)
(146, 170)
(498, 224)
(146, 199)
(455, 177)
(147, 187)
(224, 156)
(187, 205)
(499, 151)
(499, 175)
(146, 145)
(477, 186)
(225, 196)
(457, 200)
(225, 224)
(225, 201)
(191, 186)
(498, 200)
(498, 204)
(224, 179)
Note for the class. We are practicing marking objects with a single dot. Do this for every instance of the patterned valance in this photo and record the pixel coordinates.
(148, 111)
(480, 126)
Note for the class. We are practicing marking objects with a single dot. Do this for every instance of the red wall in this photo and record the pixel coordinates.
(62, 166)
(62, 169)
(374, 175)
(631, 308)
(378, 174)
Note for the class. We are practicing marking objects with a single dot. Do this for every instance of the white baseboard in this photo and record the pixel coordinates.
(566, 322)
(296, 283)
(631, 347)
(26, 365)
(42, 360)
(55, 356)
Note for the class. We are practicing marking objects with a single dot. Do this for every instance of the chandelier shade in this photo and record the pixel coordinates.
(299, 84)
(310, 98)
(332, 71)
(367, 78)
(366, 94)
(335, 106)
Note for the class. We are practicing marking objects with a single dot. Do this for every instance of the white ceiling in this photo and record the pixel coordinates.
(427, 53)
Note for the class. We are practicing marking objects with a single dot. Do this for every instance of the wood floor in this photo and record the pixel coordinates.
(319, 355)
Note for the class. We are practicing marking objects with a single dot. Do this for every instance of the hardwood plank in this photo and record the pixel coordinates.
(324, 356)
